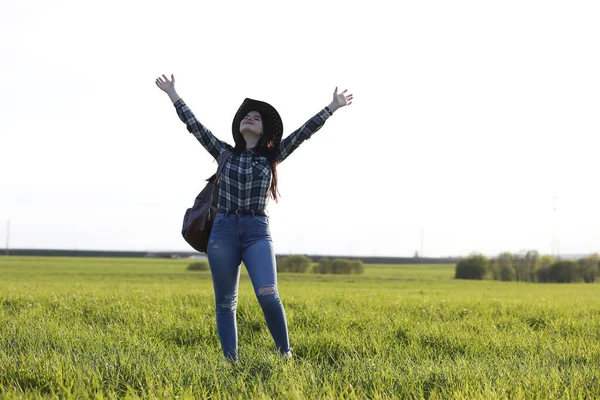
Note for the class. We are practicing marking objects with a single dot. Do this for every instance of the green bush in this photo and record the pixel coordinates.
(198, 266)
(506, 272)
(529, 266)
(543, 269)
(543, 274)
(526, 266)
(584, 269)
(358, 267)
(564, 272)
(340, 266)
(324, 266)
(472, 267)
(589, 268)
(295, 263)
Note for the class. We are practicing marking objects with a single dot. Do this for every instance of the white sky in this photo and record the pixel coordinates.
(469, 117)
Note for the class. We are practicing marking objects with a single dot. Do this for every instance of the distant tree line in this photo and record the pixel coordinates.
(302, 264)
(529, 267)
(416, 259)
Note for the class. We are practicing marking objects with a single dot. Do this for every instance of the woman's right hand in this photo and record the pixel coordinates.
(166, 85)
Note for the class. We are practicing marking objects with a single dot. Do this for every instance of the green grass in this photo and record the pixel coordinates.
(114, 328)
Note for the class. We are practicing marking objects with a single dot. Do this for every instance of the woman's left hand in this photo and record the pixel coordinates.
(340, 100)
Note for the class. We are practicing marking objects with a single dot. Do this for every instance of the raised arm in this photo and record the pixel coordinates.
(213, 145)
(291, 143)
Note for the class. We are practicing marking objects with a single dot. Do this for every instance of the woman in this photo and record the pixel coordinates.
(240, 230)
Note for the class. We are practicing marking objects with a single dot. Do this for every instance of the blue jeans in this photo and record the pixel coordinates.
(235, 238)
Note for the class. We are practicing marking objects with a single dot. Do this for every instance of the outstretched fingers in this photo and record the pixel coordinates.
(164, 79)
(164, 83)
(345, 99)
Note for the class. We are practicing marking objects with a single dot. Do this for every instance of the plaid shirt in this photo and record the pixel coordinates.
(246, 178)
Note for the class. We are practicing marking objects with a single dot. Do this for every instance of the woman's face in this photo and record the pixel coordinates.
(252, 123)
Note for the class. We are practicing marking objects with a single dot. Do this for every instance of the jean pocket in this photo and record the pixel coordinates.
(219, 219)
(261, 220)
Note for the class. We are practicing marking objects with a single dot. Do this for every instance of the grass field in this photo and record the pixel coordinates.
(114, 328)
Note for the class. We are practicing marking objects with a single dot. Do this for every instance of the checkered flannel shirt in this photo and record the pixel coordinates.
(246, 178)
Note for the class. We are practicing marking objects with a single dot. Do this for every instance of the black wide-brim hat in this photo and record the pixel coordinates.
(272, 124)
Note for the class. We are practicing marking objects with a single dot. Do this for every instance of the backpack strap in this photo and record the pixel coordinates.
(222, 160)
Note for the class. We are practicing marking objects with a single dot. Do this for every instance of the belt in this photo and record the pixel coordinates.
(262, 213)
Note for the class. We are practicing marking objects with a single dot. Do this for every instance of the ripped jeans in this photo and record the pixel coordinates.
(235, 238)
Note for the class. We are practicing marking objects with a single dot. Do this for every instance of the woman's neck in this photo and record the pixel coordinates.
(251, 140)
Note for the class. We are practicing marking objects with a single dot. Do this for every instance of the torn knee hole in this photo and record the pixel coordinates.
(266, 290)
(229, 302)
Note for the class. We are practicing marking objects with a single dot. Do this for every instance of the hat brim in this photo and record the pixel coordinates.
(272, 123)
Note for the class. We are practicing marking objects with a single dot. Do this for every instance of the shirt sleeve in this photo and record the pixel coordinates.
(213, 145)
(291, 143)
